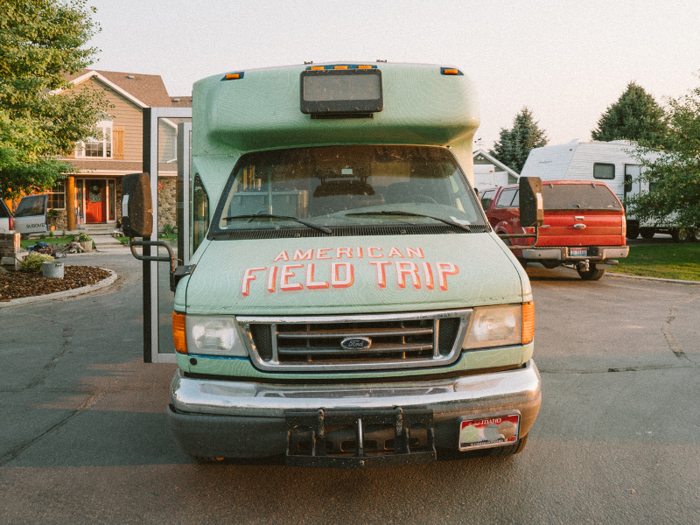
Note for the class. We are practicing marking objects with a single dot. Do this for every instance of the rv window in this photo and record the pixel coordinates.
(603, 171)
(579, 197)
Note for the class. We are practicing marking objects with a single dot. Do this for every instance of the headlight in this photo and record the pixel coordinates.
(501, 326)
(213, 335)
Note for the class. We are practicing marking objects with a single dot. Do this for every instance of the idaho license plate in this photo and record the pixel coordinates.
(489, 432)
(578, 252)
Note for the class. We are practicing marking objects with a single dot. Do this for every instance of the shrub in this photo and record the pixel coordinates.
(168, 229)
(32, 262)
(84, 238)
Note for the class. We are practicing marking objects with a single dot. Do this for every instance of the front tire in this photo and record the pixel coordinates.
(593, 274)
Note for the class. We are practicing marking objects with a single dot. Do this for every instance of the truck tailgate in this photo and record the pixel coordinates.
(585, 228)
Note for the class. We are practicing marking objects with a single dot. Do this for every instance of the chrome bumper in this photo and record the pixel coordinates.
(247, 419)
(562, 254)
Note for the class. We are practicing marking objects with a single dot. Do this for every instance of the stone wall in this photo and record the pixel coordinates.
(9, 248)
(167, 202)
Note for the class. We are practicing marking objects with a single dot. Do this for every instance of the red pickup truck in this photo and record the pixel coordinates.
(584, 225)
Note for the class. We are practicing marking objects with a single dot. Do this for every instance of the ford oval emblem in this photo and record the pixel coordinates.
(356, 343)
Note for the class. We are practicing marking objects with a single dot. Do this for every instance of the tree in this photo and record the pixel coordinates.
(41, 42)
(635, 116)
(674, 175)
(515, 144)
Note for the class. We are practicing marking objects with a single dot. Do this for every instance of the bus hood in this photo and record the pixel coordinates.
(353, 275)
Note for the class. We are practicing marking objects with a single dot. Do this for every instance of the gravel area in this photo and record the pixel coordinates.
(14, 285)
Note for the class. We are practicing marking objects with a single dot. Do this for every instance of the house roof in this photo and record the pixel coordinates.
(181, 102)
(495, 162)
(144, 90)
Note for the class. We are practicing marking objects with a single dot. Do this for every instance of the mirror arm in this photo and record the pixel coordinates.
(521, 236)
(169, 259)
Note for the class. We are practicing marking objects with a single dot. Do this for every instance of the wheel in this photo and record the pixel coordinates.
(206, 459)
(646, 233)
(593, 274)
(680, 235)
(549, 264)
(632, 231)
(696, 235)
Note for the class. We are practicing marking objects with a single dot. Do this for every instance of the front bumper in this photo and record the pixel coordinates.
(596, 254)
(245, 419)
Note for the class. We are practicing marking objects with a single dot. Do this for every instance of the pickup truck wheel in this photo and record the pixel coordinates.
(646, 233)
(592, 275)
(206, 459)
(549, 264)
(696, 235)
(632, 231)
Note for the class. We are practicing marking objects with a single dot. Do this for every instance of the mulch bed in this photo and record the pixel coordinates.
(14, 285)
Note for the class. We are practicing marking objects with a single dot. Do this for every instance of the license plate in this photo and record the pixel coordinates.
(578, 252)
(489, 432)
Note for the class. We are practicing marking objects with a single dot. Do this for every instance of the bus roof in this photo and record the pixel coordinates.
(259, 109)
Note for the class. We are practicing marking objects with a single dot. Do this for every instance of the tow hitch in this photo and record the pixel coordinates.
(321, 438)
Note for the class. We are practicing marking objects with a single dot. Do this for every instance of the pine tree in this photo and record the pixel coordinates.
(514, 145)
(635, 116)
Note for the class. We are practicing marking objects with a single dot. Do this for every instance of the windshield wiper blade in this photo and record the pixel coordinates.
(272, 216)
(411, 214)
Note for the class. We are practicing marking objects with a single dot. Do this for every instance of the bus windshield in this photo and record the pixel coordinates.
(354, 186)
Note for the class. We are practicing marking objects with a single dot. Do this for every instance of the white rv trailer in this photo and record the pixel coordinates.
(614, 163)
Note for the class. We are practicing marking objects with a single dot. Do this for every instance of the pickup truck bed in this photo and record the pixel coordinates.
(584, 225)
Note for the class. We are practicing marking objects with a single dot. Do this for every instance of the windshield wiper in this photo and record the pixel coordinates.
(411, 214)
(272, 216)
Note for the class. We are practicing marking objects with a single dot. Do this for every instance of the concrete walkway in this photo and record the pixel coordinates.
(108, 244)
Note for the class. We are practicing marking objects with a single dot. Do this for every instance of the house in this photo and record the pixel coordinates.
(490, 172)
(89, 198)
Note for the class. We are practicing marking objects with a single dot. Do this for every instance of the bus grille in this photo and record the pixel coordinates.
(383, 341)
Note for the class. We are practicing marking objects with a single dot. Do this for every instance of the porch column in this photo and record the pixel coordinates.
(70, 202)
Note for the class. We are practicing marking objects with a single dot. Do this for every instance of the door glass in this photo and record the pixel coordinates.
(167, 202)
(199, 212)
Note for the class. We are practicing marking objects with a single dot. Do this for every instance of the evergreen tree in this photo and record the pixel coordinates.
(514, 145)
(40, 42)
(635, 116)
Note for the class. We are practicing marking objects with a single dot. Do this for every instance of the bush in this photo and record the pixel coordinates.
(32, 262)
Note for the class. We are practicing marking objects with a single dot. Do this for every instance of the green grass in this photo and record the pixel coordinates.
(48, 240)
(665, 261)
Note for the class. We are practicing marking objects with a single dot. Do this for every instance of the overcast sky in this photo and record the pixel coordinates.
(566, 60)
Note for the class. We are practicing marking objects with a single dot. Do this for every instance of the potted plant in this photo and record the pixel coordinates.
(85, 241)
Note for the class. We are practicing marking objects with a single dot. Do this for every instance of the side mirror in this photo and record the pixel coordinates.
(137, 205)
(531, 203)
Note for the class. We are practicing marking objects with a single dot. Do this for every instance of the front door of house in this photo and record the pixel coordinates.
(95, 203)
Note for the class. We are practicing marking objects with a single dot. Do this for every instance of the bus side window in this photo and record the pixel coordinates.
(200, 212)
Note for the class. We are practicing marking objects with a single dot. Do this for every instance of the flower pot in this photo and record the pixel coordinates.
(87, 245)
(52, 269)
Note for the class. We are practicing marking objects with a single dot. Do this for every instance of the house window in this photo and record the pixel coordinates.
(603, 171)
(97, 147)
(57, 196)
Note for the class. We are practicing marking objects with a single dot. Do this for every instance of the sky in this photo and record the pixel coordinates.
(565, 60)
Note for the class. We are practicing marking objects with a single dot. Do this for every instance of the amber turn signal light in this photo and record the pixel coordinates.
(179, 336)
(528, 322)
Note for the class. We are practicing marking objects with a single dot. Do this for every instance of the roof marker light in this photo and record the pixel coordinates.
(340, 67)
(450, 71)
(233, 76)
(316, 68)
(365, 67)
